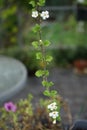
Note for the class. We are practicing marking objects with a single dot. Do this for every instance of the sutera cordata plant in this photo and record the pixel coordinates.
(39, 15)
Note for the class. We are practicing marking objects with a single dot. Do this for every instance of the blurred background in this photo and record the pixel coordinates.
(66, 29)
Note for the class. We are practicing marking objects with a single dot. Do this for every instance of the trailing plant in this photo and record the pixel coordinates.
(40, 45)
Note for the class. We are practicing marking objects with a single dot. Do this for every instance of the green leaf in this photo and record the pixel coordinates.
(49, 58)
(14, 118)
(53, 93)
(36, 28)
(46, 73)
(41, 2)
(44, 83)
(8, 12)
(46, 93)
(47, 84)
(59, 118)
(39, 73)
(32, 3)
(47, 43)
(35, 44)
(1, 3)
(30, 97)
(38, 55)
(51, 84)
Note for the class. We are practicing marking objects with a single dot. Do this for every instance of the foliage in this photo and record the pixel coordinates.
(9, 25)
(65, 57)
(25, 117)
(61, 34)
(41, 55)
(12, 19)
(65, 33)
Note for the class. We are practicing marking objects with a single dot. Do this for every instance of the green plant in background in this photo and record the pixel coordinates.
(12, 19)
(42, 56)
(8, 24)
(65, 33)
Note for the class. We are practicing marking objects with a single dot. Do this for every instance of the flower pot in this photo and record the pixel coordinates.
(80, 66)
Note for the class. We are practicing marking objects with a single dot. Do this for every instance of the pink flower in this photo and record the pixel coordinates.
(10, 106)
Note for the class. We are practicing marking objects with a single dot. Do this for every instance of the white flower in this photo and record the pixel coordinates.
(52, 106)
(54, 121)
(80, 1)
(54, 114)
(44, 15)
(35, 14)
